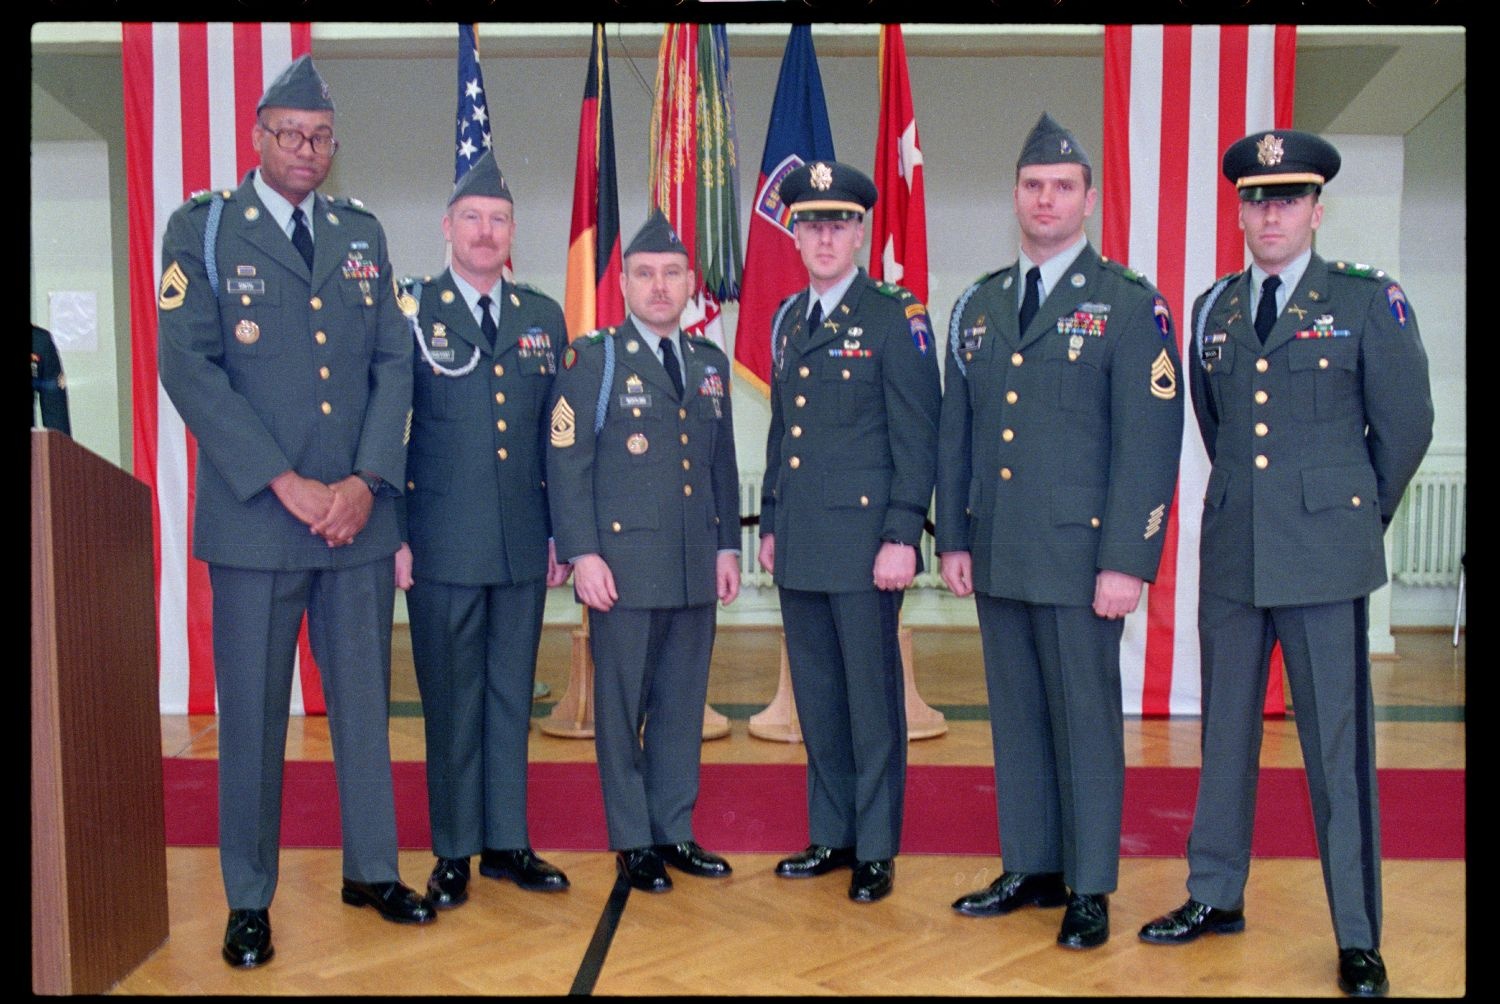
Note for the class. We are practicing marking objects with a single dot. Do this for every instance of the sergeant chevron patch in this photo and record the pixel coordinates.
(564, 424)
(1163, 377)
(174, 285)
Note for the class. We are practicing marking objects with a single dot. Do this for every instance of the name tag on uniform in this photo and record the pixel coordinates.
(244, 285)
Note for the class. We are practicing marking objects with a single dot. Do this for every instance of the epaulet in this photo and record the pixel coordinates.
(410, 283)
(1359, 270)
(204, 196)
(790, 298)
(894, 291)
(595, 337)
(1120, 268)
(344, 202)
(527, 287)
(1228, 277)
(706, 342)
(986, 277)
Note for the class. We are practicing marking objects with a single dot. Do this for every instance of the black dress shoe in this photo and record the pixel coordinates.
(816, 860)
(523, 868)
(688, 857)
(1362, 972)
(394, 901)
(449, 884)
(1190, 921)
(872, 880)
(247, 939)
(1013, 890)
(1086, 924)
(644, 870)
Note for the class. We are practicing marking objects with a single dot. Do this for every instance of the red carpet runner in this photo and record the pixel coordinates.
(762, 808)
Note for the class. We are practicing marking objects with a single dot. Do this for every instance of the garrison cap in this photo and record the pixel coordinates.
(827, 190)
(1280, 164)
(300, 86)
(656, 235)
(1050, 143)
(483, 178)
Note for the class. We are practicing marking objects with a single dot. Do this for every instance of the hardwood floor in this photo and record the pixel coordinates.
(754, 934)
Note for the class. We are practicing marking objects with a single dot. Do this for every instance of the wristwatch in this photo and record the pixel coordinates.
(371, 481)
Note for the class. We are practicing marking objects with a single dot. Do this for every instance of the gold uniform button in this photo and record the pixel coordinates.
(803, 371)
(501, 425)
(795, 462)
(504, 454)
(327, 408)
(1261, 365)
(968, 357)
(1262, 461)
(369, 301)
(801, 401)
(682, 413)
(1354, 501)
(796, 432)
(864, 500)
(245, 299)
(411, 486)
(323, 372)
(1261, 397)
(636, 412)
(687, 489)
(1008, 435)
(1094, 522)
(1322, 364)
(316, 303)
(1011, 397)
(615, 526)
(320, 338)
(683, 437)
(1261, 428)
(500, 398)
(1005, 474)
(1016, 359)
(845, 374)
(499, 370)
(686, 464)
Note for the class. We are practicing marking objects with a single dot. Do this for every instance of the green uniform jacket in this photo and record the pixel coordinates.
(1059, 444)
(273, 369)
(852, 448)
(1313, 437)
(656, 493)
(476, 492)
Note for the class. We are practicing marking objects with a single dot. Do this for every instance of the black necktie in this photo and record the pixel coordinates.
(1032, 300)
(302, 237)
(816, 317)
(487, 323)
(669, 363)
(1265, 313)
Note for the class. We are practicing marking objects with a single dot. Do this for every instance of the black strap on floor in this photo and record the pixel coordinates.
(604, 933)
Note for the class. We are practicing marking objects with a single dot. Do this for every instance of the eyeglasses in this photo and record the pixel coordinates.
(291, 141)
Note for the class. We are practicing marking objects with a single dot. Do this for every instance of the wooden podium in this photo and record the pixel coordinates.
(98, 835)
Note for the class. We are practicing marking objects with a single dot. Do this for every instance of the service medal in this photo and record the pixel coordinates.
(637, 444)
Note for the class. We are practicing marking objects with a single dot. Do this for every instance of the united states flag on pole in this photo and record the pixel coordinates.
(190, 96)
(1175, 97)
(471, 129)
(773, 270)
(898, 223)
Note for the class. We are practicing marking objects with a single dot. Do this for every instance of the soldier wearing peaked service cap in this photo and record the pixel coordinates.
(850, 455)
(283, 350)
(1060, 433)
(1311, 393)
(477, 560)
(645, 504)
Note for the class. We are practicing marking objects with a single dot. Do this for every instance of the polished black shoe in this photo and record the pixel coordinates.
(816, 860)
(872, 880)
(688, 857)
(448, 885)
(1362, 972)
(1086, 924)
(394, 901)
(1013, 890)
(247, 939)
(523, 868)
(1190, 921)
(644, 870)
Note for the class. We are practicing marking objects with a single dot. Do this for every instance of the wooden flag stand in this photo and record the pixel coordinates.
(778, 722)
(573, 716)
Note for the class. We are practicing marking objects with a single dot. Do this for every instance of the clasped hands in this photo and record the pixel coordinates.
(335, 512)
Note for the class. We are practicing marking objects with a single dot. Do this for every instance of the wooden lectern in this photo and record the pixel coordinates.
(98, 835)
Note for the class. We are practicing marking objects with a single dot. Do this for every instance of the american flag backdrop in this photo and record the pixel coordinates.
(1175, 97)
(190, 96)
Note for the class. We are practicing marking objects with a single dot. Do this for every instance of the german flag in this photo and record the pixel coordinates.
(593, 298)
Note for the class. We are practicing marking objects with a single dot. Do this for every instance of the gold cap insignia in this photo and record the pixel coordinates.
(1163, 377)
(174, 283)
(564, 424)
(1269, 150)
(822, 177)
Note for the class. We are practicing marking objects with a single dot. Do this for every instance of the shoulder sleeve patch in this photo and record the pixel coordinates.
(1162, 315)
(1397, 300)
